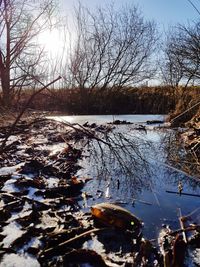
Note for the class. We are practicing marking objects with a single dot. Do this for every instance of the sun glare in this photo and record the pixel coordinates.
(52, 42)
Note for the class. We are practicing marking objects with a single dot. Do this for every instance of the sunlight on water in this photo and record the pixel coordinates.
(101, 119)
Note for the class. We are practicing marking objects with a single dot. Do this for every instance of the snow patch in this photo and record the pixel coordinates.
(23, 260)
(10, 170)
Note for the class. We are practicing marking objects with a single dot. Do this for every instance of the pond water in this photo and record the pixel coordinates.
(101, 119)
(143, 189)
(138, 177)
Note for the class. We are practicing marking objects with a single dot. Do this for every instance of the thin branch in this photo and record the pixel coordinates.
(3, 145)
(194, 6)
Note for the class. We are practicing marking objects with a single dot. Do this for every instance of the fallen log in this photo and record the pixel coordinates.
(182, 193)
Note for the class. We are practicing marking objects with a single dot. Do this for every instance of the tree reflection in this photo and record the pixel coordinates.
(122, 162)
(180, 161)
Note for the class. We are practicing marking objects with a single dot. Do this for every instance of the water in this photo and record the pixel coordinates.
(136, 174)
(142, 186)
(101, 119)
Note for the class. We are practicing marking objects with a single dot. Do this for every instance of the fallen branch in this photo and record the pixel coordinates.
(3, 145)
(30, 200)
(83, 130)
(53, 251)
(187, 229)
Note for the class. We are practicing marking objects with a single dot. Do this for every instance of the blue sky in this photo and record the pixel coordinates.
(164, 12)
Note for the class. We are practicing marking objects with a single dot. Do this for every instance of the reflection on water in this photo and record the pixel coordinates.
(132, 172)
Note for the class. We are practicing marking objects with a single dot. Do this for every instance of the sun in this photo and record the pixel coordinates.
(52, 41)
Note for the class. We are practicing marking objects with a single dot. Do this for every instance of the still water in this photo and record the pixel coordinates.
(136, 174)
(101, 119)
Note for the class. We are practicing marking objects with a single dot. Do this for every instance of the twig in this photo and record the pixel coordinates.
(180, 115)
(194, 6)
(155, 196)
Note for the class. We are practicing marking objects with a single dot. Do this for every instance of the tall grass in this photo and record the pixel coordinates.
(131, 100)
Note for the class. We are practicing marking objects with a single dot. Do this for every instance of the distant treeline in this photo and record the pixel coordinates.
(143, 100)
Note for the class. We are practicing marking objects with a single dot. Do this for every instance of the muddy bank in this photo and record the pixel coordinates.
(42, 222)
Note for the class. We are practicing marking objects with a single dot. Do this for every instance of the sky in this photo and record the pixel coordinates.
(164, 12)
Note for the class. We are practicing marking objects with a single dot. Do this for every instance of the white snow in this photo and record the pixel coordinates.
(13, 260)
(10, 170)
(12, 231)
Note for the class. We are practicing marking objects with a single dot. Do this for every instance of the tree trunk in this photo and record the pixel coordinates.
(6, 59)
(5, 83)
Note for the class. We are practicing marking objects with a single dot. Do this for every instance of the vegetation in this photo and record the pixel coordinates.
(113, 52)
(22, 60)
(106, 69)
(182, 55)
(130, 100)
(113, 48)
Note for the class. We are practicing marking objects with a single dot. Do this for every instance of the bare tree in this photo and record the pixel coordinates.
(171, 71)
(182, 55)
(20, 55)
(113, 48)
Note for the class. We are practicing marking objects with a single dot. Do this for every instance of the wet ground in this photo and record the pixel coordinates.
(53, 173)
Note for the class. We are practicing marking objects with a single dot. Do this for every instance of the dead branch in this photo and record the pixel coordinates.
(54, 250)
(3, 145)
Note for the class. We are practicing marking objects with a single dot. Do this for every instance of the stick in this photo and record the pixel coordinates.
(24, 198)
(187, 229)
(142, 201)
(56, 249)
(187, 194)
(182, 225)
(9, 204)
